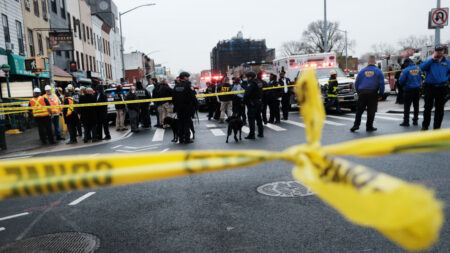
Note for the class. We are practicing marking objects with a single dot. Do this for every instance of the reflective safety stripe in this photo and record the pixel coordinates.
(54, 101)
(37, 104)
(70, 109)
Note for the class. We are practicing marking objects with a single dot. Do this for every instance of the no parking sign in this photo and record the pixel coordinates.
(438, 18)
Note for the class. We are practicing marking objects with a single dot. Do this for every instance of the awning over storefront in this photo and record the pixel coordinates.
(17, 64)
(60, 75)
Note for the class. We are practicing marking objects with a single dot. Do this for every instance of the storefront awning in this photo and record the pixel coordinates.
(60, 75)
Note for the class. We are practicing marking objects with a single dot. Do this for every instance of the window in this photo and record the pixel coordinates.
(53, 5)
(48, 43)
(20, 40)
(95, 44)
(44, 9)
(36, 7)
(87, 62)
(31, 42)
(95, 64)
(67, 54)
(82, 61)
(83, 29)
(27, 5)
(78, 60)
(63, 9)
(69, 20)
(88, 38)
(90, 63)
(92, 38)
(40, 44)
(6, 28)
(74, 22)
(58, 53)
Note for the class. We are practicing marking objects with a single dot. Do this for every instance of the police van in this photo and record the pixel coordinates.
(323, 63)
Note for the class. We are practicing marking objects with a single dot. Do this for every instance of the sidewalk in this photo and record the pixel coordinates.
(28, 142)
(389, 106)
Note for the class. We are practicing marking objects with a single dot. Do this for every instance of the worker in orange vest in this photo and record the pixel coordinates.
(42, 116)
(56, 111)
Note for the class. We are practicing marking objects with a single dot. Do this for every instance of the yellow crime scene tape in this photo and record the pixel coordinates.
(408, 214)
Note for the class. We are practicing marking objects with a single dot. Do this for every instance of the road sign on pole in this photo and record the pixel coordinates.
(438, 18)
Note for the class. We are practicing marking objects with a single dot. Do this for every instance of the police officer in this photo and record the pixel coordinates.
(144, 116)
(286, 94)
(265, 96)
(185, 102)
(273, 96)
(332, 92)
(42, 116)
(437, 75)
(211, 101)
(70, 117)
(369, 81)
(410, 80)
(76, 100)
(252, 98)
(238, 100)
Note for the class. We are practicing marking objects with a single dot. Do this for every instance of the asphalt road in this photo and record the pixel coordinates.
(223, 212)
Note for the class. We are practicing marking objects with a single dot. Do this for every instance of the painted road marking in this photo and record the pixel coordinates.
(78, 200)
(135, 150)
(333, 123)
(165, 150)
(245, 129)
(295, 123)
(2, 228)
(159, 135)
(382, 117)
(217, 132)
(143, 147)
(118, 146)
(344, 118)
(93, 155)
(275, 127)
(210, 125)
(14, 216)
(400, 114)
(17, 157)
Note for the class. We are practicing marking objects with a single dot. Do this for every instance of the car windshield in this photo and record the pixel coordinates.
(325, 73)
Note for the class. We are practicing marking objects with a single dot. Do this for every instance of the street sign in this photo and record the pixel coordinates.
(438, 18)
(30, 65)
(35, 64)
(61, 41)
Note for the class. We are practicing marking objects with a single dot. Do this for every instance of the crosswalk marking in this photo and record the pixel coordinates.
(383, 117)
(333, 123)
(210, 125)
(295, 123)
(390, 114)
(275, 127)
(159, 135)
(344, 118)
(217, 132)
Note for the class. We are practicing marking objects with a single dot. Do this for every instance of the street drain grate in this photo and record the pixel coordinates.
(287, 189)
(70, 242)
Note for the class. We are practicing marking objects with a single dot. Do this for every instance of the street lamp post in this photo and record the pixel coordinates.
(325, 44)
(437, 31)
(121, 37)
(6, 69)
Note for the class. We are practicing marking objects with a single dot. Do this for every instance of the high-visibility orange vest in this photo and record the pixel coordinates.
(37, 104)
(70, 109)
(54, 100)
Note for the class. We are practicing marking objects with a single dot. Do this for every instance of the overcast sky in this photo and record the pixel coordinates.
(186, 31)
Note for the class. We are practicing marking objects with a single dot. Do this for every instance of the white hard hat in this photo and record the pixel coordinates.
(70, 86)
(333, 72)
(47, 87)
(77, 89)
(37, 90)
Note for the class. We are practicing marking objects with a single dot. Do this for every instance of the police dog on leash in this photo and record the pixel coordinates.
(173, 123)
(235, 125)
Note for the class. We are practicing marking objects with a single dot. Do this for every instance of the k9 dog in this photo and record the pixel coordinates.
(234, 126)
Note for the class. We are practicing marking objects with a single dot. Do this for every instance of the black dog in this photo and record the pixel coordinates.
(173, 123)
(235, 125)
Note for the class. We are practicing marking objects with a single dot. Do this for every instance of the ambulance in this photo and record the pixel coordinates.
(323, 63)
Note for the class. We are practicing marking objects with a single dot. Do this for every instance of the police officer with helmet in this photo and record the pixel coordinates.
(410, 80)
(252, 98)
(184, 102)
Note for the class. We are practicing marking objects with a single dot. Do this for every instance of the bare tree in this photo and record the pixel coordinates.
(314, 40)
(294, 47)
(383, 49)
(416, 41)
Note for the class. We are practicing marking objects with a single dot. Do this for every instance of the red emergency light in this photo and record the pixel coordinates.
(332, 57)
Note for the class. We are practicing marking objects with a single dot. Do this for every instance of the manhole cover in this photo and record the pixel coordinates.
(72, 242)
(288, 189)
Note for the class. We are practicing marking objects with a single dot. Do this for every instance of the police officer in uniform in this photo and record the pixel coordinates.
(437, 75)
(369, 81)
(142, 93)
(273, 96)
(286, 94)
(332, 92)
(252, 98)
(185, 102)
(410, 80)
(265, 96)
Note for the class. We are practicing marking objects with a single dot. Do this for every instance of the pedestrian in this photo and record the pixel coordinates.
(56, 111)
(144, 114)
(332, 92)
(211, 101)
(369, 85)
(265, 99)
(102, 114)
(286, 94)
(165, 109)
(155, 94)
(76, 100)
(273, 96)
(410, 81)
(226, 101)
(238, 100)
(184, 101)
(252, 98)
(133, 110)
(121, 109)
(89, 116)
(70, 116)
(437, 71)
(42, 116)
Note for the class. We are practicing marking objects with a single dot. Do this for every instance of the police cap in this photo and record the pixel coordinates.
(250, 74)
(184, 74)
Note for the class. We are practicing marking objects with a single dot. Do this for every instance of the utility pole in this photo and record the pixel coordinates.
(325, 44)
(437, 31)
